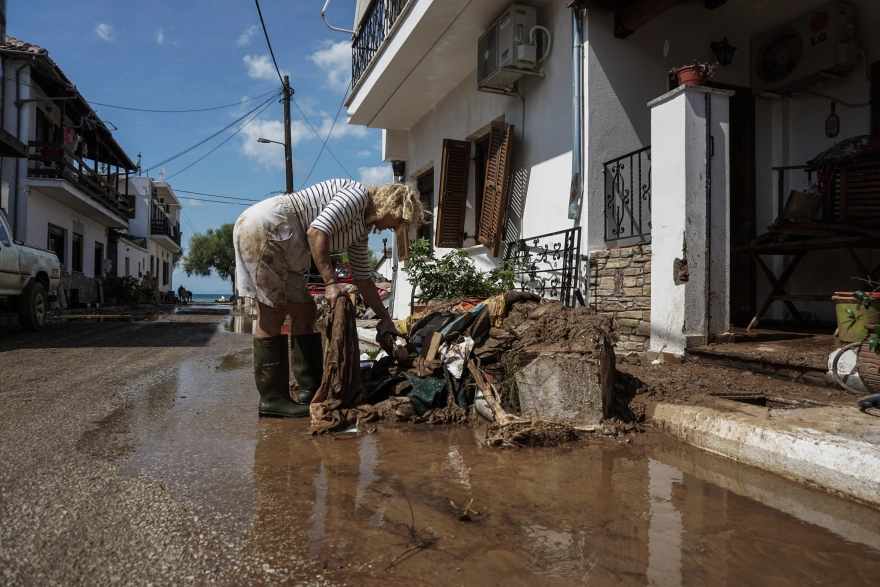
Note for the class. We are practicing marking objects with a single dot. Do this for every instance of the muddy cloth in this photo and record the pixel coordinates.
(339, 401)
(427, 393)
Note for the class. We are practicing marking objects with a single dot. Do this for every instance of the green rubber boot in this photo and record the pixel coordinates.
(307, 361)
(272, 373)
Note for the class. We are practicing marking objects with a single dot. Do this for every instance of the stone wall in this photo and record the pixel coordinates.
(620, 284)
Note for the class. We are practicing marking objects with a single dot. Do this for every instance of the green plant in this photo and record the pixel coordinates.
(707, 69)
(864, 300)
(125, 289)
(452, 276)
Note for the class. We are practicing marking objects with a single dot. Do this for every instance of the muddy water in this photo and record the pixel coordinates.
(378, 508)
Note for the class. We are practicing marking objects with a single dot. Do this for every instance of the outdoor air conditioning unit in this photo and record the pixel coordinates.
(817, 46)
(505, 51)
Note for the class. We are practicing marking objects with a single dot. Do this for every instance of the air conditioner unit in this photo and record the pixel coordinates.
(817, 46)
(504, 51)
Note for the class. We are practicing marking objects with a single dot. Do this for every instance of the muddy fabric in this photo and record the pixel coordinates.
(427, 393)
(339, 401)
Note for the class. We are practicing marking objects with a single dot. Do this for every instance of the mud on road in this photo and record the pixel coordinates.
(131, 453)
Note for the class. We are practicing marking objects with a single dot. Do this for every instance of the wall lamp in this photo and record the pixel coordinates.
(723, 51)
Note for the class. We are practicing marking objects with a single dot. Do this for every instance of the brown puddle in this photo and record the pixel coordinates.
(378, 508)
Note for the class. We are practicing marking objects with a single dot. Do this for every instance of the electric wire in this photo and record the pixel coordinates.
(266, 33)
(216, 196)
(833, 99)
(215, 202)
(324, 142)
(203, 141)
(223, 142)
(182, 111)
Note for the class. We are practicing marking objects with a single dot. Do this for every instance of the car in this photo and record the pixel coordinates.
(27, 275)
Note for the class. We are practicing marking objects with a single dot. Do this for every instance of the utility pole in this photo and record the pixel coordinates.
(288, 150)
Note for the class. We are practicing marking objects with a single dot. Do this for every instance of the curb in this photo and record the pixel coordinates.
(788, 444)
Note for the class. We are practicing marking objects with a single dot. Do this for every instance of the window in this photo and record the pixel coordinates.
(493, 208)
(57, 239)
(164, 272)
(76, 253)
(127, 267)
(4, 238)
(454, 170)
(426, 191)
(99, 259)
(152, 264)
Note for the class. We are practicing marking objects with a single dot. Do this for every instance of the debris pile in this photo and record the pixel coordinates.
(469, 358)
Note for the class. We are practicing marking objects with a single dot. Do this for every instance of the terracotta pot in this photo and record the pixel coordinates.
(868, 364)
(691, 75)
(419, 308)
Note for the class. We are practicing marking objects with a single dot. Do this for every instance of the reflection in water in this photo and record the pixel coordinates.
(665, 528)
(655, 513)
(241, 324)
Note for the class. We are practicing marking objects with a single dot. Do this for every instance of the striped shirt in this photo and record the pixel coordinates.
(336, 207)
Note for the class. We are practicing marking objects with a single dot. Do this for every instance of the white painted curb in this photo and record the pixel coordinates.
(826, 460)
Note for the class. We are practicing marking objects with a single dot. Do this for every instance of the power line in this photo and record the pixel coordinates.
(216, 196)
(324, 142)
(200, 143)
(215, 202)
(183, 111)
(267, 104)
(266, 33)
(191, 225)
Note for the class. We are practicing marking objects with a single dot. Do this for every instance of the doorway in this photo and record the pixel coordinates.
(743, 276)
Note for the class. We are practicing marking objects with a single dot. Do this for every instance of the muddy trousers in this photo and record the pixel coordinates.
(272, 376)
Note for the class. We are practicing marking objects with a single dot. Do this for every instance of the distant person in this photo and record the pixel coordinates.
(189, 296)
(273, 240)
(180, 292)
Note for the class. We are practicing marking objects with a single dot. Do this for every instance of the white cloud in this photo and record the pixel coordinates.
(245, 37)
(104, 31)
(160, 37)
(271, 155)
(364, 153)
(334, 59)
(341, 129)
(261, 67)
(375, 175)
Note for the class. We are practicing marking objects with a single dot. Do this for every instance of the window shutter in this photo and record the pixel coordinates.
(131, 202)
(491, 223)
(454, 171)
(403, 243)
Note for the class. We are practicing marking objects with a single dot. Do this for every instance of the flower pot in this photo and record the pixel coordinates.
(691, 75)
(847, 331)
(868, 364)
(419, 308)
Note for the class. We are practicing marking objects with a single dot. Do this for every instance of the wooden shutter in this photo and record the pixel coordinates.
(403, 243)
(454, 171)
(490, 226)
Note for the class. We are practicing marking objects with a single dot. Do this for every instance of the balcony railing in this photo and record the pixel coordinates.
(375, 26)
(55, 161)
(164, 227)
(547, 265)
(628, 198)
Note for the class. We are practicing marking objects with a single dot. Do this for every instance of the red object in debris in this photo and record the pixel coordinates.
(875, 294)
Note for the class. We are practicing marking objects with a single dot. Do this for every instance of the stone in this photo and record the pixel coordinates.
(611, 306)
(628, 322)
(642, 259)
(629, 282)
(632, 271)
(600, 255)
(570, 387)
(617, 263)
(630, 314)
(643, 329)
(606, 272)
(642, 303)
(616, 253)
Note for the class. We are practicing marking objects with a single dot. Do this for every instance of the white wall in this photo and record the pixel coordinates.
(43, 210)
(541, 162)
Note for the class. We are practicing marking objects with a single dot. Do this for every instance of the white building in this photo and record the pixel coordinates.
(591, 144)
(61, 168)
(153, 240)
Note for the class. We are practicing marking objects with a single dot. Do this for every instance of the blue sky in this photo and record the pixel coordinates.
(173, 54)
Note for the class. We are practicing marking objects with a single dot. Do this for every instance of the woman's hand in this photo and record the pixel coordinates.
(387, 327)
(332, 293)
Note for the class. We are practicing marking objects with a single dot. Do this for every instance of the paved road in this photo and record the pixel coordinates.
(131, 454)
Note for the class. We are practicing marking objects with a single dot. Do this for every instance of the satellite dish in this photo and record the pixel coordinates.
(779, 56)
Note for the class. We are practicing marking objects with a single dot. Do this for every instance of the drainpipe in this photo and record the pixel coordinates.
(577, 170)
(18, 105)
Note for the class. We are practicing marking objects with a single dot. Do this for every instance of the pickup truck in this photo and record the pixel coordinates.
(27, 274)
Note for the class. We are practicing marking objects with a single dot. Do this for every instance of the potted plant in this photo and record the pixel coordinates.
(122, 290)
(854, 312)
(452, 276)
(694, 74)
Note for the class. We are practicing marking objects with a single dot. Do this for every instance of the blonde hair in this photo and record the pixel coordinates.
(401, 200)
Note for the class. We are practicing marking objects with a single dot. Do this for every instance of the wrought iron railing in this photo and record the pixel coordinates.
(547, 264)
(374, 27)
(163, 226)
(628, 198)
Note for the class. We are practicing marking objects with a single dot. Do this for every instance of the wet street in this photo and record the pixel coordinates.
(130, 453)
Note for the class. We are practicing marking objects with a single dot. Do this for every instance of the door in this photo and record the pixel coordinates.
(10, 279)
(743, 284)
(99, 259)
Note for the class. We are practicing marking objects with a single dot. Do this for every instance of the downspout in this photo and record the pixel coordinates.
(18, 105)
(710, 152)
(577, 171)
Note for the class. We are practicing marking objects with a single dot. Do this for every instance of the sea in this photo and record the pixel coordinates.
(209, 297)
